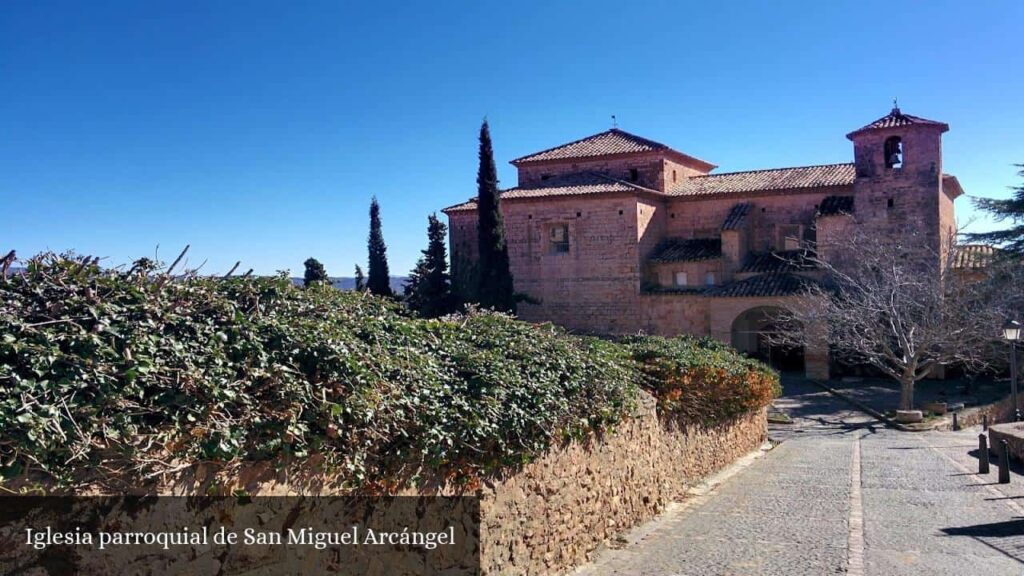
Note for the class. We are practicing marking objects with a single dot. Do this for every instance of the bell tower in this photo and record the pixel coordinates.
(898, 188)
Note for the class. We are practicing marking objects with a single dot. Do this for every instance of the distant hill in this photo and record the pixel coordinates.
(346, 283)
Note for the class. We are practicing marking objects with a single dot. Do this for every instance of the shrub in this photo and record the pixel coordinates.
(701, 379)
(100, 366)
(129, 374)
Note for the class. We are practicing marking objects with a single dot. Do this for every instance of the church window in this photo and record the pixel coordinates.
(673, 175)
(709, 279)
(560, 238)
(680, 278)
(890, 203)
(893, 152)
(634, 174)
(790, 237)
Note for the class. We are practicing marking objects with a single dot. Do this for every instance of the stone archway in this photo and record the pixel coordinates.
(751, 334)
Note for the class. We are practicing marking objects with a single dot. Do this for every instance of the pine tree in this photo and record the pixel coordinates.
(495, 288)
(1010, 239)
(360, 279)
(429, 289)
(315, 272)
(379, 281)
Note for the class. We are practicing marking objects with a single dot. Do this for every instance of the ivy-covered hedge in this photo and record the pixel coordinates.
(129, 372)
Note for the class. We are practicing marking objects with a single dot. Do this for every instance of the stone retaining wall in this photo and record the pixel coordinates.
(546, 517)
(1013, 433)
(549, 516)
(1001, 411)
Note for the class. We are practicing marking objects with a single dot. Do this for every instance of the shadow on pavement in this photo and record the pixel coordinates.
(1006, 537)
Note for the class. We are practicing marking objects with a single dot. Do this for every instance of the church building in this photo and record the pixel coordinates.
(618, 234)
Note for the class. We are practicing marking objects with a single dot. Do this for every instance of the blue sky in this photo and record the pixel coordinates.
(258, 131)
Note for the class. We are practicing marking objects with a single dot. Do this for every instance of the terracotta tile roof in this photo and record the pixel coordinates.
(951, 186)
(973, 256)
(612, 141)
(771, 179)
(566, 185)
(737, 215)
(836, 205)
(894, 119)
(763, 285)
(606, 143)
(687, 250)
(783, 261)
(573, 185)
(465, 206)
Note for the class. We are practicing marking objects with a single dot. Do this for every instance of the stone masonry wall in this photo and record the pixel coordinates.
(544, 518)
(703, 217)
(549, 516)
(594, 286)
(653, 169)
(649, 169)
(669, 314)
(896, 201)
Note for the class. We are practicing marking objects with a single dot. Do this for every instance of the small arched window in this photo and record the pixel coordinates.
(893, 152)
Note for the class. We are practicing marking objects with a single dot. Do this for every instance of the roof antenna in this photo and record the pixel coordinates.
(615, 123)
(895, 106)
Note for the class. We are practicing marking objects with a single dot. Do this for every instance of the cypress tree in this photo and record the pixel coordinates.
(495, 279)
(1010, 239)
(360, 279)
(379, 281)
(315, 272)
(429, 289)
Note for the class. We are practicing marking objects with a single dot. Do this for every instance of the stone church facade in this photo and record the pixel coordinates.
(616, 234)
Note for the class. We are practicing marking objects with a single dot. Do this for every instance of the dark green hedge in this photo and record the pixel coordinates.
(131, 373)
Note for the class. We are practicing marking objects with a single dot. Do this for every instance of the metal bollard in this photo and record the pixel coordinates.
(984, 422)
(1004, 462)
(956, 423)
(982, 454)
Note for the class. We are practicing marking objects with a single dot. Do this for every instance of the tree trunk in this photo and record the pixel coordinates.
(907, 394)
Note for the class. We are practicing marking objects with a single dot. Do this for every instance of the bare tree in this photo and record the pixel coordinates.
(901, 307)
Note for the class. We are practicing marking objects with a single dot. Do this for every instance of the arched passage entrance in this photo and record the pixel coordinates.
(751, 334)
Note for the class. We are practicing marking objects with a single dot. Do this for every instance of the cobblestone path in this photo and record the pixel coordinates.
(840, 495)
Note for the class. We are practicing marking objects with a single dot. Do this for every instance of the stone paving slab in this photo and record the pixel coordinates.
(827, 504)
(920, 508)
(732, 557)
(901, 563)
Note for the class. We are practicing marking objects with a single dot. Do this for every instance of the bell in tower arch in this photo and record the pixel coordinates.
(893, 152)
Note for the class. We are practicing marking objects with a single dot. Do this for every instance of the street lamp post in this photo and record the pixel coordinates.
(1012, 333)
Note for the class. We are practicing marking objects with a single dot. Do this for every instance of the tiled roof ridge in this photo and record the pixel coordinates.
(563, 179)
(896, 118)
(779, 261)
(675, 249)
(838, 205)
(469, 204)
(974, 255)
(737, 215)
(759, 170)
(766, 284)
(645, 141)
(587, 182)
